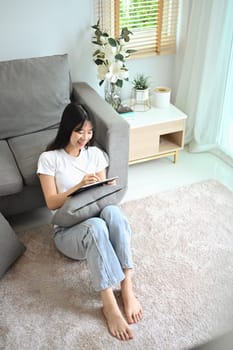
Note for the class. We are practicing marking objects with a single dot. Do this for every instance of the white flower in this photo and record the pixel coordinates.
(103, 39)
(110, 56)
(117, 72)
(114, 72)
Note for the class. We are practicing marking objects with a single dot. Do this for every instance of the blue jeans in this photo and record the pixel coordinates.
(104, 241)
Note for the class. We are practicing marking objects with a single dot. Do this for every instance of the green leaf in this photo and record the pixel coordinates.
(131, 51)
(97, 25)
(112, 42)
(98, 62)
(125, 34)
(125, 31)
(96, 52)
(98, 32)
(119, 57)
(119, 83)
(96, 42)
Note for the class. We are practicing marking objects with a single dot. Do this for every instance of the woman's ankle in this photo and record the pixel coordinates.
(108, 297)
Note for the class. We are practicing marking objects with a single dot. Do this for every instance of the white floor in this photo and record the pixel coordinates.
(162, 174)
(151, 177)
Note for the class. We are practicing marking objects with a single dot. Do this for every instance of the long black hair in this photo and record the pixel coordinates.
(73, 117)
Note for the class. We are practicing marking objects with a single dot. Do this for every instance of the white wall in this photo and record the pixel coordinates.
(30, 28)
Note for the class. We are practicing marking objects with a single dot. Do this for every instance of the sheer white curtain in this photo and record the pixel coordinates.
(205, 85)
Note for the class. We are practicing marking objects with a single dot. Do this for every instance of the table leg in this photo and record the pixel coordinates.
(175, 157)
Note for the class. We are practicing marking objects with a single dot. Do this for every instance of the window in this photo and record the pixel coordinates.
(153, 23)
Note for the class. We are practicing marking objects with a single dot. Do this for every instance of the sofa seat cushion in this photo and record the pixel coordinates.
(10, 246)
(10, 179)
(27, 149)
(33, 94)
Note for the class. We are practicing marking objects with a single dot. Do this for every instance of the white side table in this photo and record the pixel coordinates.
(156, 133)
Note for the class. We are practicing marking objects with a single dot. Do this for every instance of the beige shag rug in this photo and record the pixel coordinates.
(183, 250)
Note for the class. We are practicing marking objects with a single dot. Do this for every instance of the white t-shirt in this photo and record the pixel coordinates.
(69, 170)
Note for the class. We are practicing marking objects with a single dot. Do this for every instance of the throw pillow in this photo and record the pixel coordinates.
(85, 205)
(10, 246)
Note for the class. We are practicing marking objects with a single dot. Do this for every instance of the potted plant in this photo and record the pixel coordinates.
(110, 56)
(141, 88)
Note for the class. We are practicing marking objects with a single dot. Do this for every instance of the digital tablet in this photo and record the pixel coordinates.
(94, 184)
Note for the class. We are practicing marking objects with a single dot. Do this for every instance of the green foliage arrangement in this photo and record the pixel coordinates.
(111, 55)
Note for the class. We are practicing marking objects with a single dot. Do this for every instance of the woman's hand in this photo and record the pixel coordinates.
(89, 179)
(113, 182)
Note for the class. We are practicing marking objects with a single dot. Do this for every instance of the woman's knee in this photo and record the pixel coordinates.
(116, 221)
(97, 228)
(109, 211)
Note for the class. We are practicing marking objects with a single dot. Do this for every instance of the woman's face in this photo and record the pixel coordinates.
(80, 137)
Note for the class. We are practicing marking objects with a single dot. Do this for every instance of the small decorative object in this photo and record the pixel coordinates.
(110, 58)
(124, 109)
(162, 96)
(141, 99)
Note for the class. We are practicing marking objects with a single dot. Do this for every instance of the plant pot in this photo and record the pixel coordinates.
(141, 96)
(140, 100)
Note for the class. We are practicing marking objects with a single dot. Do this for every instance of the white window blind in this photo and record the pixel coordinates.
(153, 23)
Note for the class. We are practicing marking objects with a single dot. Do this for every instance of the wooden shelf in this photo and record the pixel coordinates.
(167, 146)
(171, 141)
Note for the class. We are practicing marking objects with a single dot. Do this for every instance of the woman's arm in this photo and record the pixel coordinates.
(55, 200)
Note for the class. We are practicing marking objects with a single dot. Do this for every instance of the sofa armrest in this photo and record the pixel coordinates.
(10, 179)
(112, 133)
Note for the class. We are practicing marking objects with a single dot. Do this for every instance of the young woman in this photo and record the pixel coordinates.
(69, 163)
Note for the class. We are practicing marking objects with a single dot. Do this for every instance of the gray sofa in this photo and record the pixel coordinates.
(33, 95)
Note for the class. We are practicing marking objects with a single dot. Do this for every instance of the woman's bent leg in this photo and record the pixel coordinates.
(90, 240)
(119, 234)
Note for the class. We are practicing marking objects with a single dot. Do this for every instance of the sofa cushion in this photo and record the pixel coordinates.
(10, 179)
(10, 246)
(27, 149)
(33, 94)
(85, 205)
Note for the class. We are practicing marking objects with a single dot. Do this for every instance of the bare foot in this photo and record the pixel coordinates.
(117, 325)
(133, 309)
(132, 306)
